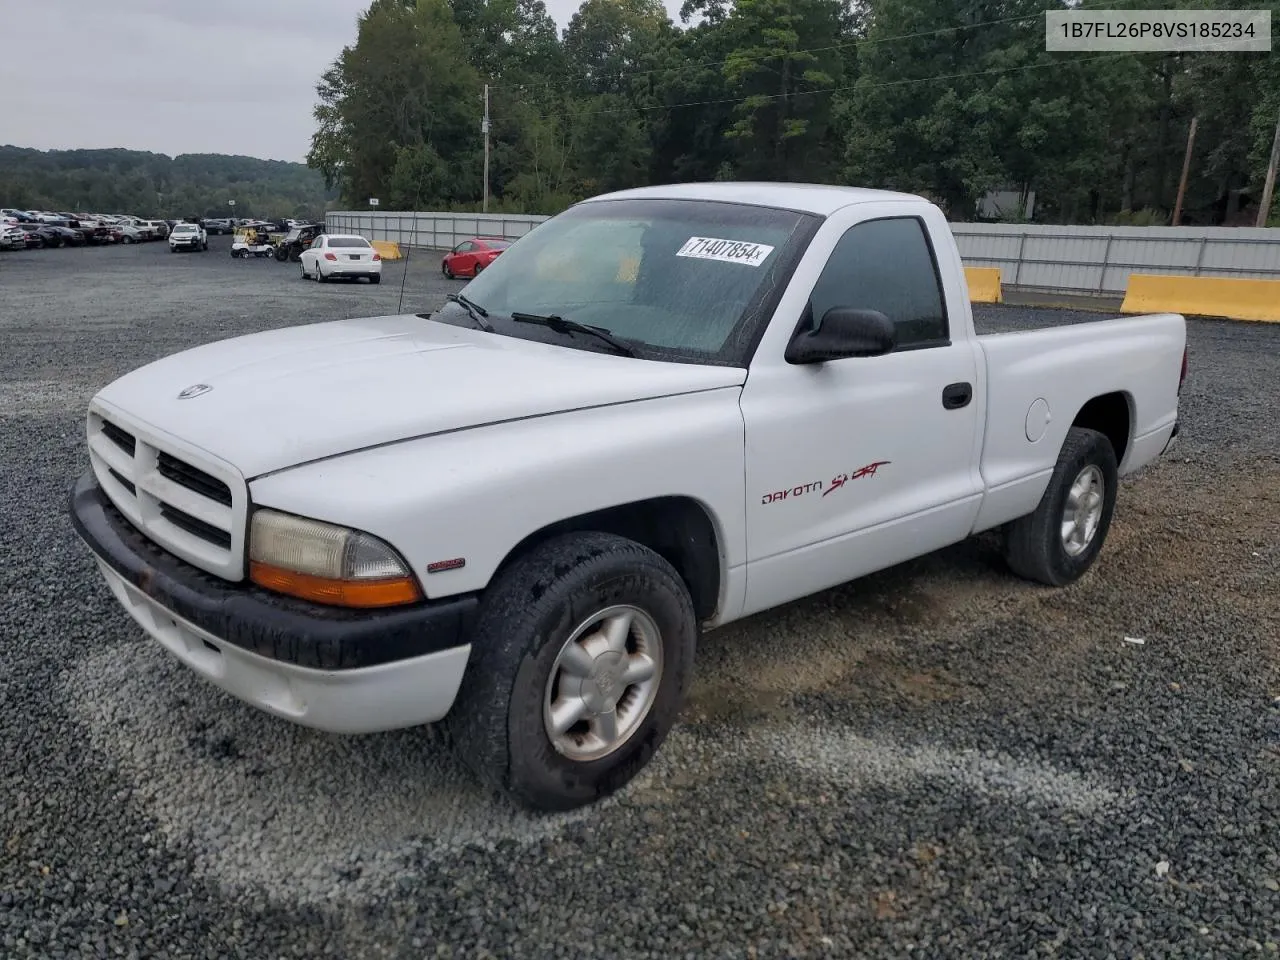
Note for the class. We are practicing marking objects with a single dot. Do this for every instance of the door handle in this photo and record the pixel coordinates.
(956, 395)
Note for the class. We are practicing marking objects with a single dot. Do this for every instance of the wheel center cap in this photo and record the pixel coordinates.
(606, 677)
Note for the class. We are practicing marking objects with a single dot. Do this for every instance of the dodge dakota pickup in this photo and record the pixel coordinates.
(660, 411)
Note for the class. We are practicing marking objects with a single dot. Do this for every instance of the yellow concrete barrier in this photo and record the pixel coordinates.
(1237, 299)
(984, 284)
(387, 250)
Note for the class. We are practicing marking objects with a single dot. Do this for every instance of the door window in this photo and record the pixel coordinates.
(886, 265)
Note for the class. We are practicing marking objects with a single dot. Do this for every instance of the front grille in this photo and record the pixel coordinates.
(122, 439)
(194, 510)
(193, 478)
(193, 525)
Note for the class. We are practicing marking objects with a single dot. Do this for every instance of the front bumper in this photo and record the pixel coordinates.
(343, 671)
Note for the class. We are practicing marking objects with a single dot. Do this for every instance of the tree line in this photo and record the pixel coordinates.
(948, 98)
(155, 185)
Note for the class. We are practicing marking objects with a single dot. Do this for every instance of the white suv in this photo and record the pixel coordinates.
(188, 236)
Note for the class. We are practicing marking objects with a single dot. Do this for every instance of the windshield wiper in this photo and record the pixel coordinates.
(561, 325)
(474, 311)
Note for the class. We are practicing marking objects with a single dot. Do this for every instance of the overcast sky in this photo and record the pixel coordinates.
(174, 76)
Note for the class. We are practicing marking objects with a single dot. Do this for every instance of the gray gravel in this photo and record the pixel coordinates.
(939, 760)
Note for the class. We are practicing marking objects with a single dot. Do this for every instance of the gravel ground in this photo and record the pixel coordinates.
(939, 760)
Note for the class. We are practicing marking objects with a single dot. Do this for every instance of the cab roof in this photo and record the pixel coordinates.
(817, 198)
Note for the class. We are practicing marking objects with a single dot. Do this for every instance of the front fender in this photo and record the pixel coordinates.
(473, 495)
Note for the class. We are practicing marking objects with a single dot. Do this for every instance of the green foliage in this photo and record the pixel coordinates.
(154, 185)
(1146, 217)
(946, 98)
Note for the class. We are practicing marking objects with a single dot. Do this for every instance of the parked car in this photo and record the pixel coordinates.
(297, 240)
(341, 255)
(12, 237)
(515, 514)
(188, 236)
(53, 236)
(470, 257)
(125, 233)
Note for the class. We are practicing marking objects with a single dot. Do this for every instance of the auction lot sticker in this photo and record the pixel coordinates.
(726, 251)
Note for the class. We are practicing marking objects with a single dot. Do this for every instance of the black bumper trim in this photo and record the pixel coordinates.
(274, 626)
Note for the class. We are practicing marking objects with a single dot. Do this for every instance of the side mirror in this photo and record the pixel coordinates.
(844, 332)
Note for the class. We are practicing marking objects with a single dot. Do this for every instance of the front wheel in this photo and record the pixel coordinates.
(1060, 540)
(581, 659)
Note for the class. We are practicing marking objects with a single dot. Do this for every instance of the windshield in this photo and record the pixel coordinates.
(681, 279)
(184, 228)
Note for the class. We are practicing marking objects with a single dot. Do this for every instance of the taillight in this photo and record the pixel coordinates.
(377, 256)
(331, 256)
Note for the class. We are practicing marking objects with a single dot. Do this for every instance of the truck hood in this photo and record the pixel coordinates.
(284, 397)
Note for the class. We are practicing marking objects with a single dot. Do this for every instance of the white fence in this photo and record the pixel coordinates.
(1095, 260)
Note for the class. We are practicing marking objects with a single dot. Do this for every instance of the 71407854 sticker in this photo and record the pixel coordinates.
(726, 251)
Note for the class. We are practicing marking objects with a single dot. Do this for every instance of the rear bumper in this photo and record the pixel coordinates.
(361, 268)
(337, 670)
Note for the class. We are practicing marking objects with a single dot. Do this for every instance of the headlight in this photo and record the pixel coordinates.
(326, 563)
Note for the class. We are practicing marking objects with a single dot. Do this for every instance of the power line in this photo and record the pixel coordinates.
(764, 97)
(718, 63)
(866, 41)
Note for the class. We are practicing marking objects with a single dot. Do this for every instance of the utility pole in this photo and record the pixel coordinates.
(1186, 167)
(484, 125)
(1270, 185)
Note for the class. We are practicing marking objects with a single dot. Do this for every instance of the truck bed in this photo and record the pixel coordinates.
(1127, 367)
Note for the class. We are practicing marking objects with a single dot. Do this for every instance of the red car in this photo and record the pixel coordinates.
(471, 256)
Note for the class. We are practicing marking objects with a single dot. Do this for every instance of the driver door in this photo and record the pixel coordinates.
(856, 464)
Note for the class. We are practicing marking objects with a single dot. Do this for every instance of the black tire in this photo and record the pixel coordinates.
(527, 614)
(1034, 546)
(282, 254)
(302, 271)
(444, 268)
(320, 277)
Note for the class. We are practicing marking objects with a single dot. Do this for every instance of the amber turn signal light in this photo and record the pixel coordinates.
(391, 592)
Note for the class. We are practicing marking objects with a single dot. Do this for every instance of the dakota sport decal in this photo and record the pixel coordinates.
(836, 483)
(868, 471)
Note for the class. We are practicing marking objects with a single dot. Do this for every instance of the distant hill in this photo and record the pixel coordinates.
(155, 185)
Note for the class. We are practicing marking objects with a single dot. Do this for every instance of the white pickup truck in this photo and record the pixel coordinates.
(663, 410)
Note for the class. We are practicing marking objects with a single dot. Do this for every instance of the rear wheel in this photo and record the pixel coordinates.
(444, 268)
(1060, 540)
(581, 658)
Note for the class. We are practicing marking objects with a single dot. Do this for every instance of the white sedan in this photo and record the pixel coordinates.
(341, 255)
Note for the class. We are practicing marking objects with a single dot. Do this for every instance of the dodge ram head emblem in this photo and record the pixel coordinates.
(195, 390)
